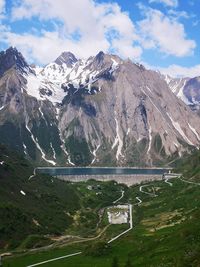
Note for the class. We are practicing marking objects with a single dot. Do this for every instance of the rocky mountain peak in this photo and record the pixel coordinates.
(99, 57)
(102, 61)
(68, 58)
(12, 58)
(111, 108)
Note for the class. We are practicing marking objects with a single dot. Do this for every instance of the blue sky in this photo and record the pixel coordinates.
(161, 34)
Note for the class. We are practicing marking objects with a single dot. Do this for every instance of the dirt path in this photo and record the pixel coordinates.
(55, 259)
(141, 189)
(126, 231)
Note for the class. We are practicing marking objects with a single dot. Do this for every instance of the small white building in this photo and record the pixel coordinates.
(118, 214)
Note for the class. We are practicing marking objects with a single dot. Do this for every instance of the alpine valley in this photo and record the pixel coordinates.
(99, 111)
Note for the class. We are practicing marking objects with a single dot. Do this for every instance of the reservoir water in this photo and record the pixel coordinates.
(59, 171)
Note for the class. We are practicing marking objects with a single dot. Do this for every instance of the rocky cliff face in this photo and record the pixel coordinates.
(187, 89)
(98, 111)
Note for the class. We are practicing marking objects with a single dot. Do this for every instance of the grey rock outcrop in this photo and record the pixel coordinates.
(187, 89)
(99, 111)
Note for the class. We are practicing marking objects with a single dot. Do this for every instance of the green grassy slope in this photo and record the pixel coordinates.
(49, 206)
(166, 233)
(166, 230)
(189, 166)
(44, 209)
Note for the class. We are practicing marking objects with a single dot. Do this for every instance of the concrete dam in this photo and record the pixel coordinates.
(128, 176)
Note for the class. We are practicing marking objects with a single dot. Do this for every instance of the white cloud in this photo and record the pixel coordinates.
(164, 33)
(175, 71)
(2, 7)
(2, 4)
(171, 3)
(179, 71)
(100, 26)
(50, 45)
(179, 14)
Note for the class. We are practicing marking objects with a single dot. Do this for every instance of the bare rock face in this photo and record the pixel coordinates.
(135, 116)
(66, 58)
(12, 58)
(187, 89)
(99, 111)
(192, 92)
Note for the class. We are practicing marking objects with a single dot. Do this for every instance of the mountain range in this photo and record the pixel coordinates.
(101, 111)
(187, 89)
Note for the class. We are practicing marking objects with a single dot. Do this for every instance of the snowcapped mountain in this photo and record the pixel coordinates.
(187, 89)
(48, 82)
(11, 58)
(192, 92)
(99, 111)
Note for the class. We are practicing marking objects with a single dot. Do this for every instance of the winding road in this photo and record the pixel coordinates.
(33, 175)
(117, 200)
(141, 189)
(55, 259)
(188, 182)
(126, 231)
(139, 201)
(145, 192)
(167, 182)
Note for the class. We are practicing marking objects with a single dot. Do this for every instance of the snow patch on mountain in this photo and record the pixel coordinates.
(33, 86)
(64, 149)
(94, 152)
(22, 192)
(150, 139)
(53, 150)
(177, 86)
(82, 75)
(118, 140)
(25, 149)
(181, 95)
(128, 131)
(148, 88)
(167, 78)
(176, 145)
(115, 65)
(179, 129)
(39, 148)
(194, 131)
(54, 80)
(57, 113)
(44, 90)
(40, 110)
(55, 73)
(46, 83)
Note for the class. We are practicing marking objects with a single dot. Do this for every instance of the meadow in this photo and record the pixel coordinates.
(166, 232)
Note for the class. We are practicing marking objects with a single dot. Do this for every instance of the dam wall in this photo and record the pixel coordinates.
(125, 179)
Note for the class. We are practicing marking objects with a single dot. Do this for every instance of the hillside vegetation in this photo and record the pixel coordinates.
(32, 209)
(166, 231)
(41, 205)
(189, 166)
